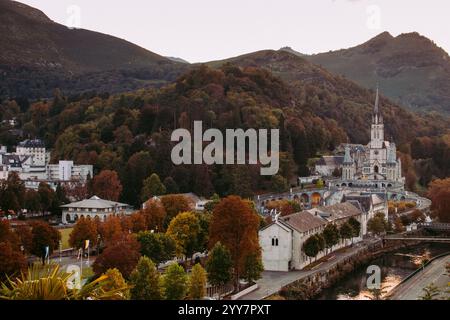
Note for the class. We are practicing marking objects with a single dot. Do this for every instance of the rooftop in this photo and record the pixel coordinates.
(337, 211)
(303, 221)
(95, 203)
(32, 144)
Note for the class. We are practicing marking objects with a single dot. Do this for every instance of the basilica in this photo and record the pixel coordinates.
(375, 165)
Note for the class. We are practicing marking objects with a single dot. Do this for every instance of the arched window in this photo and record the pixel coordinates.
(274, 242)
(376, 169)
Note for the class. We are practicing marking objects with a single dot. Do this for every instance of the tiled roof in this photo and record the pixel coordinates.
(337, 211)
(95, 203)
(303, 221)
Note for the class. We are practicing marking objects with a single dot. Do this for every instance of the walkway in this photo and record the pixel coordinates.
(272, 281)
(412, 289)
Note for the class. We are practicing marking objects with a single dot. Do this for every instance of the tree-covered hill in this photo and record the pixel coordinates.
(38, 55)
(130, 133)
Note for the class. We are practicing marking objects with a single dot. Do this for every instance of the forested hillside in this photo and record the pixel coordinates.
(130, 133)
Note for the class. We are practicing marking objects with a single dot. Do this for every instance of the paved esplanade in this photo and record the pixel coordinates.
(412, 289)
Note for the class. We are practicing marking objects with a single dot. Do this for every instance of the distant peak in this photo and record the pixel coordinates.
(24, 10)
(383, 36)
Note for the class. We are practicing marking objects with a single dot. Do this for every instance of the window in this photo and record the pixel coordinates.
(275, 242)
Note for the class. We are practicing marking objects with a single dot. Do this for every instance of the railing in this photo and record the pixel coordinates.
(426, 264)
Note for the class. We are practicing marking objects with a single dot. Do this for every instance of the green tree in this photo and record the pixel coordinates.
(320, 184)
(47, 196)
(197, 283)
(152, 187)
(159, 247)
(175, 283)
(253, 267)
(171, 186)
(311, 247)
(279, 183)
(12, 193)
(219, 265)
(346, 231)
(145, 280)
(377, 224)
(356, 226)
(331, 236)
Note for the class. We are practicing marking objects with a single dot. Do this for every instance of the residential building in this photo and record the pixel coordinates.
(94, 208)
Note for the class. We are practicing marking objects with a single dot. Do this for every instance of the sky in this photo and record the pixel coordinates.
(205, 30)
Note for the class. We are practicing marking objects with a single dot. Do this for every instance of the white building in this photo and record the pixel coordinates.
(31, 162)
(282, 241)
(35, 149)
(67, 171)
(94, 208)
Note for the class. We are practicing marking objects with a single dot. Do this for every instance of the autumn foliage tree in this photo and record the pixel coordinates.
(185, 230)
(235, 224)
(123, 255)
(175, 204)
(85, 229)
(44, 235)
(439, 193)
(106, 185)
(111, 230)
(154, 214)
(12, 261)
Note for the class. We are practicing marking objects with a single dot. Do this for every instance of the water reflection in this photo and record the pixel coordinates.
(394, 267)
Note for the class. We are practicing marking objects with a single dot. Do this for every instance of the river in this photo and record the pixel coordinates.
(395, 266)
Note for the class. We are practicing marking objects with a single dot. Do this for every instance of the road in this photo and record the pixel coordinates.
(412, 289)
(272, 281)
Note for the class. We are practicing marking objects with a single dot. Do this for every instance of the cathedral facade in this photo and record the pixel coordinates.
(375, 165)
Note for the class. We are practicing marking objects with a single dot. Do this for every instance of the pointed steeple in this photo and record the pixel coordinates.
(377, 102)
(377, 117)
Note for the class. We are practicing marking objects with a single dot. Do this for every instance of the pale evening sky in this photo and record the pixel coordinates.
(204, 30)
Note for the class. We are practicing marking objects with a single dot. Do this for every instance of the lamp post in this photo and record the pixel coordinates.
(98, 244)
(60, 251)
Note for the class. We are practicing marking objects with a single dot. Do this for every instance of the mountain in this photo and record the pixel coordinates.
(327, 95)
(38, 53)
(177, 59)
(410, 69)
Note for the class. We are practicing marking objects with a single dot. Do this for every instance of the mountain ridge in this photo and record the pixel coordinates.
(410, 68)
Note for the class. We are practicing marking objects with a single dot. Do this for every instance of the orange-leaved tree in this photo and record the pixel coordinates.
(439, 193)
(235, 224)
(106, 185)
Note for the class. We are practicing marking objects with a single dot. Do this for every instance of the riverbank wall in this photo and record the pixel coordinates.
(311, 287)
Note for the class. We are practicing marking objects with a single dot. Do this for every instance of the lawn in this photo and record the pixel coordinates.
(65, 233)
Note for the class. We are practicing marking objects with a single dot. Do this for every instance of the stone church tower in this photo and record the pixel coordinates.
(376, 165)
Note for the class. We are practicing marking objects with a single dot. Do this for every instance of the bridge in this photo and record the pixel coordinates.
(418, 238)
(307, 198)
(435, 226)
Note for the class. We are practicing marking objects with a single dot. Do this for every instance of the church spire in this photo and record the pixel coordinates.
(377, 102)
(377, 117)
